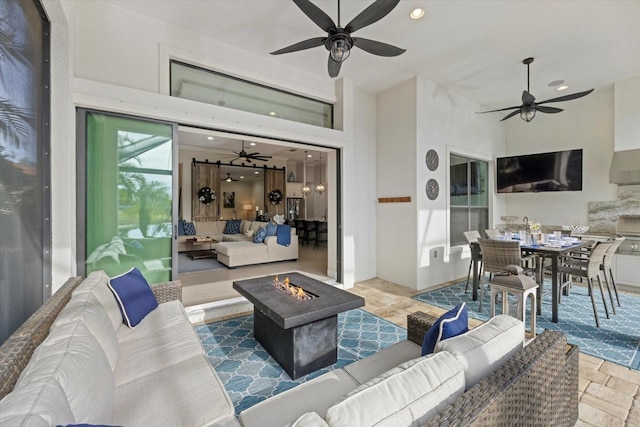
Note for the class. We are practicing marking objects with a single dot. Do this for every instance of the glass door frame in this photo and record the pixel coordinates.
(81, 184)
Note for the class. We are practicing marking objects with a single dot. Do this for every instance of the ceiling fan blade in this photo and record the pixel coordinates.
(378, 48)
(545, 109)
(233, 160)
(258, 158)
(527, 98)
(501, 109)
(373, 13)
(508, 116)
(306, 44)
(317, 15)
(568, 97)
(334, 67)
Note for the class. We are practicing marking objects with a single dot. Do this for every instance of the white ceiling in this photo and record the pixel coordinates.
(473, 48)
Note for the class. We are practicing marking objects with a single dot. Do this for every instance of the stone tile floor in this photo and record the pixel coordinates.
(609, 393)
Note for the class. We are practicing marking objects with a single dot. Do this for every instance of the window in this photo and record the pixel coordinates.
(198, 84)
(25, 207)
(469, 197)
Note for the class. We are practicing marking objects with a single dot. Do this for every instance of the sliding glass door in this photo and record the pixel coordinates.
(129, 195)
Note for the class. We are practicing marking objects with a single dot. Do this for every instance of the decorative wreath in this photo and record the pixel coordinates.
(206, 195)
(275, 197)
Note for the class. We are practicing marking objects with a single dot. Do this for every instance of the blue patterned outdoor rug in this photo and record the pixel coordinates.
(251, 375)
(617, 339)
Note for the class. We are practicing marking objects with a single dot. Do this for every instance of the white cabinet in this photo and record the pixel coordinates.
(294, 189)
(627, 269)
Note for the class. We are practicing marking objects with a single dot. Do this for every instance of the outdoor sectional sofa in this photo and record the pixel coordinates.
(165, 379)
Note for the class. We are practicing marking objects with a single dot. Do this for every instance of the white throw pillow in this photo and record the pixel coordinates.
(485, 348)
(248, 233)
(310, 419)
(407, 395)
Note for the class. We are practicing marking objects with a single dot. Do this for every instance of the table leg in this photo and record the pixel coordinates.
(555, 293)
(475, 255)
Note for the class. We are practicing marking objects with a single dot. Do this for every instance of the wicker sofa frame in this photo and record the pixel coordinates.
(538, 386)
(17, 350)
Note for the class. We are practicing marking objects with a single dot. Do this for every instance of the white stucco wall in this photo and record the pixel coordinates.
(627, 114)
(117, 61)
(586, 123)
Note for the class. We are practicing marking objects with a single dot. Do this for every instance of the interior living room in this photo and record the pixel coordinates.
(208, 208)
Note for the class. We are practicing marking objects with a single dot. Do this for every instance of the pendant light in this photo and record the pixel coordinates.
(305, 188)
(320, 188)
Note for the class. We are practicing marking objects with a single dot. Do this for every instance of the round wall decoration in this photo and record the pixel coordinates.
(206, 195)
(432, 189)
(432, 160)
(275, 197)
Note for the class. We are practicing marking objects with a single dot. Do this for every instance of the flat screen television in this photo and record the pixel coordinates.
(556, 171)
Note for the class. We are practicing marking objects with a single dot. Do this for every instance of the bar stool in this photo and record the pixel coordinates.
(309, 232)
(321, 233)
(514, 282)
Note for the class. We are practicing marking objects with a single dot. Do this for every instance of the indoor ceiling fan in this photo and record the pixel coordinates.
(228, 178)
(529, 105)
(338, 40)
(249, 156)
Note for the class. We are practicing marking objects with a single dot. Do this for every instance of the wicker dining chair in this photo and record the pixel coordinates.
(589, 269)
(496, 256)
(606, 268)
(471, 236)
(493, 233)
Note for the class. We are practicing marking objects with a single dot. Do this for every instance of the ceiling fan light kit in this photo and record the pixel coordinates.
(529, 105)
(338, 40)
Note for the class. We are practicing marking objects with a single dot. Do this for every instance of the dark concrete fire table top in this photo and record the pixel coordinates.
(288, 312)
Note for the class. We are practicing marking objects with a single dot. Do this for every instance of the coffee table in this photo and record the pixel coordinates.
(302, 336)
(201, 253)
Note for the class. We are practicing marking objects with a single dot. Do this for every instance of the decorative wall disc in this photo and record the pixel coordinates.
(432, 189)
(432, 160)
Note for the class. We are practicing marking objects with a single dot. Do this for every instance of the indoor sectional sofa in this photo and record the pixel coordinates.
(161, 376)
(235, 250)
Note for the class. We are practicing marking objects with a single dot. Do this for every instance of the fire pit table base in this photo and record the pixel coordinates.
(299, 350)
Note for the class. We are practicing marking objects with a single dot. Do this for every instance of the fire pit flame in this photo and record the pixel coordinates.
(295, 291)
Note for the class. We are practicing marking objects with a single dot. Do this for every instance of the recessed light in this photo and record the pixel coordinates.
(253, 144)
(256, 173)
(272, 113)
(563, 87)
(417, 13)
(309, 155)
(210, 138)
(241, 176)
(555, 83)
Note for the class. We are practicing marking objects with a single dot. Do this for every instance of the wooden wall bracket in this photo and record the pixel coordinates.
(394, 199)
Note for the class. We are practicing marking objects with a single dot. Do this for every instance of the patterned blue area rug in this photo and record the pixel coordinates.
(617, 339)
(251, 375)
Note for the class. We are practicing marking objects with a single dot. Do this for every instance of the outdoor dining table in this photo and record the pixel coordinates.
(552, 252)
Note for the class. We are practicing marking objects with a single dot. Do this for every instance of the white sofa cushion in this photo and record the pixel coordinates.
(96, 283)
(485, 348)
(377, 364)
(188, 393)
(86, 308)
(310, 419)
(407, 395)
(36, 403)
(312, 396)
(171, 342)
(71, 356)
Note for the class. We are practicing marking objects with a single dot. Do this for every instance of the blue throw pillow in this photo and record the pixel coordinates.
(232, 226)
(272, 229)
(181, 227)
(134, 296)
(260, 235)
(189, 229)
(453, 323)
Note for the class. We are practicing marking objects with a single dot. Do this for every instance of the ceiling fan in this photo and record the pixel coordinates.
(338, 40)
(249, 156)
(228, 178)
(529, 105)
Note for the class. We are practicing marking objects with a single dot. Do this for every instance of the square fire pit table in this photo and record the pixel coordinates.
(302, 335)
